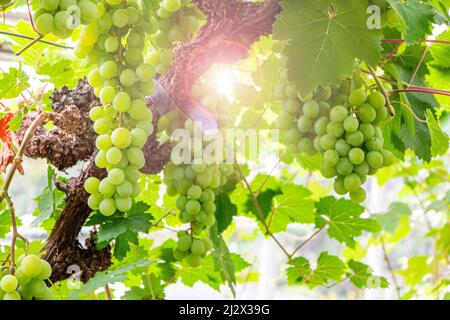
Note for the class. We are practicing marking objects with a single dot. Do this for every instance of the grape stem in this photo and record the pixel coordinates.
(383, 90)
(422, 90)
(30, 17)
(35, 40)
(427, 41)
(31, 38)
(389, 266)
(410, 110)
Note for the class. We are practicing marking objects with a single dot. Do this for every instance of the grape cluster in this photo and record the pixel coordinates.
(61, 17)
(123, 123)
(28, 282)
(178, 20)
(196, 186)
(344, 126)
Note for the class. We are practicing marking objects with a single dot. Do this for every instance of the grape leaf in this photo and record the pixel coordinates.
(293, 205)
(417, 17)
(13, 83)
(391, 219)
(325, 36)
(439, 139)
(204, 273)
(441, 51)
(343, 219)
(362, 276)
(226, 210)
(417, 268)
(329, 268)
(152, 289)
(5, 223)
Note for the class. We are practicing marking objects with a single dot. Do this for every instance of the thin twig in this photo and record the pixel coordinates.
(32, 38)
(383, 90)
(39, 37)
(391, 270)
(30, 17)
(427, 41)
(108, 292)
(422, 90)
(422, 58)
(306, 241)
(410, 110)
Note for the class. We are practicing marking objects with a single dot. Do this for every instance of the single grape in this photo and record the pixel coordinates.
(12, 296)
(358, 196)
(324, 108)
(374, 144)
(311, 109)
(362, 169)
(116, 176)
(120, 18)
(293, 135)
(96, 113)
(355, 139)
(125, 189)
(193, 260)
(358, 97)
(375, 159)
(306, 146)
(367, 113)
(193, 207)
(194, 192)
(335, 129)
(31, 265)
(114, 155)
(107, 207)
(344, 166)
(339, 186)
(171, 5)
(107, 94)
(121, 102)
(184, 243)
(123, 203)
(131, 173)
(338, 113)
(106, 188)
(45, 23)
(197, 247)
(111, 44)
(103, 142)
(94, 201)
(136, 157)
(108, 69)
(133, 56)
(121, 138)
(127, 78)
(91, 185)
(88, 10)
(356, 156)
(46, 270)
(328, 141)
(304, 124)
(100, 159)
(342, 147)
(352, 182)
(9, 283)
(328, 171)
(388, 158)
(209, 207)
(291, 106)
(367, 130)
(331, 157)
(377, 100)
(145, 72)
(381, 115)
(320, 126)
(351, 124)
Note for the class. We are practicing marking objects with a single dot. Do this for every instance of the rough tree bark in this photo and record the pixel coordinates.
(232, 26)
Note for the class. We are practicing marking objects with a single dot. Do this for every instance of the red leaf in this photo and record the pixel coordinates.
(7, 153)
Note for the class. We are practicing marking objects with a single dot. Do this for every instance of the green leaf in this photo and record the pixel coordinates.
(439, 139)
(362, 276)
(417, 17)
(225, 212)
(101, 279)
(13, 83)
(5, 223)
(329, 268)
(441, 51)
(58, 69)
(325, 37)
(152, 289)
(416, 270)
(343, 219)
(293, 205)
(205, 273)
(391, 219)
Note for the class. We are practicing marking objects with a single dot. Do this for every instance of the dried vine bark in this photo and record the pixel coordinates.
(232, 26)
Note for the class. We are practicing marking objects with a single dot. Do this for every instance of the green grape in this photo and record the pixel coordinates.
(306, 146)
(12, 296)
(121, 102)
(356, 156)
(304, 124)
(45, 23)
(388, 158)
(198, 247)
(171, 5)
(103, 142)
(311, 109)
(108, 69)
(335, 129)
(116, 176)
(100, 159)
(88, 10)
(362, 169)
(320, 126)
(64, 4)
(358, 196)
(91, 185)
(324, 108)
(138, 137)
(121, 138)
(31, 265)
(375, 159)
(145, 72)
(127, 78)
(123, 203)
(22, 278)
(46, 270)
(358, 97)
(324, 93)
(352, 182)
(338, 113)
(207, 243)
(381, 115)
(131, 173)
(367, 113)
(344, 166)
(339, 186)
(50, 5)
(181, 202)
(293, 135)
(37, 287)
(351, 124)
(94, 201)
(377, 100)
(125, 189)
(178, 254)
(291, 106)
(147, 126)
(136, 157)
(210, 220)
(134, 40)
(111, 44)
(9, 283)
(367, 130)
(209, 207)
(137, 109)
(194, 193)
(374, 144)
(61, 19)
(114, 155)
(331, 157)
(328, 171)
(133, 56)
(120, 18)
(193, 260)
(184, 243)
(328, 141)
(193, 207)
(96, 113)
(105, 22)
(342, 147)
(107, 94)
(106, 188)
(355, 139)
(107, 207)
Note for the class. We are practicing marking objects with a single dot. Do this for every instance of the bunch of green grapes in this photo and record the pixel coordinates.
(28, 281)
(178, 21)
(196, 186)
(121, 79)
(61, 17)
(351, 142)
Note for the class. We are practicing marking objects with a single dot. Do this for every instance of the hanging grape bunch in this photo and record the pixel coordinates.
(345, 129)
(28, 281)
